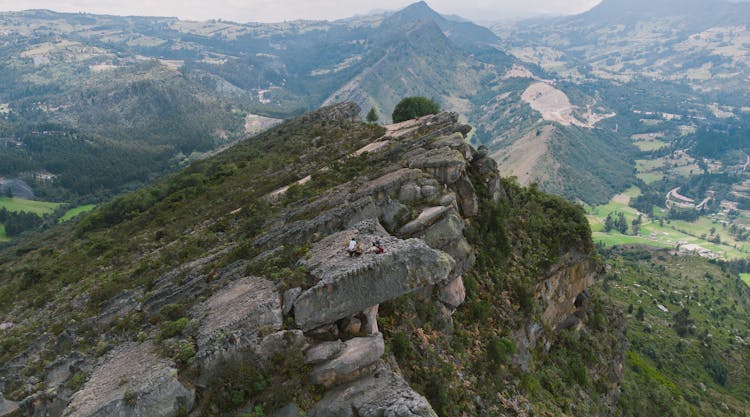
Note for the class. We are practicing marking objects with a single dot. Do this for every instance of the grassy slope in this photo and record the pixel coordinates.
(664, 371)
(215, 205)
(75, 211)
(746, 278)
(3, 236)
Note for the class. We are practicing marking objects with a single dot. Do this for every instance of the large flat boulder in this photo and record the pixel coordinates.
(382, 393)
(132, 382)
(233, 317)
(347, 285)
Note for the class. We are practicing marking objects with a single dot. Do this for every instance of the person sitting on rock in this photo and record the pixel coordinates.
(378, 247)
(354, 248)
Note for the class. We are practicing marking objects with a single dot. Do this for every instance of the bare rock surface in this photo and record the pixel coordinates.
(447, 235)
(323, 352)
(357, 356)
(427, 217)
(251, 302)
(572, 275)
(241, 309)
(7, 407)
(454, 293)
(347, 285)
(133, 382)
(383, 393)
(445, 164)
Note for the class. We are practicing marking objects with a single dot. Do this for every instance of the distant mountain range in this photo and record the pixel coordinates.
(554, 100)
(153, 82)
(700, 43)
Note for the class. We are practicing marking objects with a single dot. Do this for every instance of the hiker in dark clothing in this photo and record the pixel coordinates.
(378, 247)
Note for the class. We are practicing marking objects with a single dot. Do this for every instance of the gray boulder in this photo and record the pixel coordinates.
(290, 296)
(357, 357)
(454, 293)
(348, 285)
(455, 141)
(468, 201)
(427, 217)
(133, 382)
(394, 214)
(323, 352)
(447, 235)
(382, 393)
(445, 164)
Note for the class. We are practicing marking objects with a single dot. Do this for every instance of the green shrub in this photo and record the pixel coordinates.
(401, 345)
(414, 107)
(499, 350)
(173, 328)
(77, 381)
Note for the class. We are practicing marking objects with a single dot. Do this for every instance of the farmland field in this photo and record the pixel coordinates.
(20, 204)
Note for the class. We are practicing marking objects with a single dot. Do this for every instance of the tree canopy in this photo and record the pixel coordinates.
(413, 107)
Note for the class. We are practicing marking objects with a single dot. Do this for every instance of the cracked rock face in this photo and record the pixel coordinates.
(383, 393)
(133, 382)
(232, 318)
(347, 285)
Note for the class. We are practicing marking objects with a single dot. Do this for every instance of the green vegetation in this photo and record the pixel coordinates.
(3, 235)
(517, 241)
(30, 206)
(745, 278)
(656, 229)
(130, 242)
(75, 211)
(694, 330)
(372, 116)
(414, 107)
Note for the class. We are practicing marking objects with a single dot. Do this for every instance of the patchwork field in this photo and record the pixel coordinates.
(703, 234)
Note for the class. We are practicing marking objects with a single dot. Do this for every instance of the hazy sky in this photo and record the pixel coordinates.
(279, 10)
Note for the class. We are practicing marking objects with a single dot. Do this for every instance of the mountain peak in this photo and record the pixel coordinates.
(417, 11)
(461, 32)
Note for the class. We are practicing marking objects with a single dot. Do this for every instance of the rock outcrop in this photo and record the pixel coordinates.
(347, 285)
(567, 280)
(232, 318)
(355, 358)
(383, 393)
(133, 382)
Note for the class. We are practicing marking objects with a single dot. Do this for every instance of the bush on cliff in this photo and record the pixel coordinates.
(414, 107)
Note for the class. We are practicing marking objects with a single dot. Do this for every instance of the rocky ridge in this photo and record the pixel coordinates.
(418, 203)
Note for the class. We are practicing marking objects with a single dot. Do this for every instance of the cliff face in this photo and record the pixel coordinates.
(281, 317)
